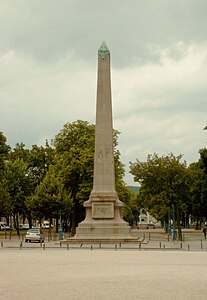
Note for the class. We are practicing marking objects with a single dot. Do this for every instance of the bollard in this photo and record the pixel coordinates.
(119, 245)
(149, 236)
(168, 237)
(183, 238)
(60, 244)
(140, 245)
(188, 247)
(100, 245)
(20, 246)
(2, 245)
(115, 247)
(164, 247)
(160, 245)
(67, 246)
(201, 244)
(43, 246)
(181, 245)
(91, 247)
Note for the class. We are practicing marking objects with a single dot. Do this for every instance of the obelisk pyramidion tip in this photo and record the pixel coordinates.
(103, 50)
(103, 46)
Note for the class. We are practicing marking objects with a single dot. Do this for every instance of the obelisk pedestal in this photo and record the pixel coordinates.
(103, 209)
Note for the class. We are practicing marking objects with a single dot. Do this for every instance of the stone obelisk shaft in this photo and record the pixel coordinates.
(104, 174)
(103, 219)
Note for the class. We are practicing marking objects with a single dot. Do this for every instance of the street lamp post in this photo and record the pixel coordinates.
(169, 225)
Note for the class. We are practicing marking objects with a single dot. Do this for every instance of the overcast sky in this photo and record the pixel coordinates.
(48, 71)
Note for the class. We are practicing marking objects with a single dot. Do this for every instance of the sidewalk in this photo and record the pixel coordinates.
(164, 245)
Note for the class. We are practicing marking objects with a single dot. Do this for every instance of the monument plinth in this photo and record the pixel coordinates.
(103, 209)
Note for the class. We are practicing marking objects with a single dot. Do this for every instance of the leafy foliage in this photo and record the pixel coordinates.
(198, 188)
(4, 151)
(50, 198)
(74, 161)
(163, 184)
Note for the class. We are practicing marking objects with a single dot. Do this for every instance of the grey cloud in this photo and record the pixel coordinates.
(48, 30)
(48, 61)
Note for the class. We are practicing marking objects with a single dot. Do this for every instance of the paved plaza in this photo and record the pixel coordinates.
(79, 273)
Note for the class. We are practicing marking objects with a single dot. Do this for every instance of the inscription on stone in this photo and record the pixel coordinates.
(103, 210)
(103, 154)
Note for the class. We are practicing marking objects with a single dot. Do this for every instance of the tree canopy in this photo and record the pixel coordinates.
(164, 185)
(46, 181)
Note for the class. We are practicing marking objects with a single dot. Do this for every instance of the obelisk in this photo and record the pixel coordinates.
(103, 209)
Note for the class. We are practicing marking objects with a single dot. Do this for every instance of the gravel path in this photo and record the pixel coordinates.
(102, 274)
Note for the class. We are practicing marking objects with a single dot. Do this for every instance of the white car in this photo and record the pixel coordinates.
(46, 225)
(4, 226)
(35, 235)
(23, 226)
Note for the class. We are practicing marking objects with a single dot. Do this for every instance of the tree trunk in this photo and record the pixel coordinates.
(17, 223)
(197, 222)
(29, 219)
(75, 216)
(178, 223)
(56, 225)
(73, 225)
(14, 221)
(166, 223)
(70, 224)
(50, 228)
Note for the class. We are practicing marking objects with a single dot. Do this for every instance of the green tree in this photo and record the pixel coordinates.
(4, 151)
(5, 208)
(74, 147)
(131, 207)
(164, 185)
(39, 160)
(196, 192)
(19, 151)
(18, 187)
(50, 198)
(203, 166)
(74, 160)
(198, 188)
(5, 201)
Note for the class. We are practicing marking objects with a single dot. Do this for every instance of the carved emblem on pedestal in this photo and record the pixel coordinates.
(103, 210)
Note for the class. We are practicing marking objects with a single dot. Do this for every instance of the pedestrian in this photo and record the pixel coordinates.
(204, 232)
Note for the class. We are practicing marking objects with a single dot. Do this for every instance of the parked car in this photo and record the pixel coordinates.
(151, 225)
(145, 225)
(24, 226)
(35, 235)
(46, 225)
(36, 226)
(4, 226)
